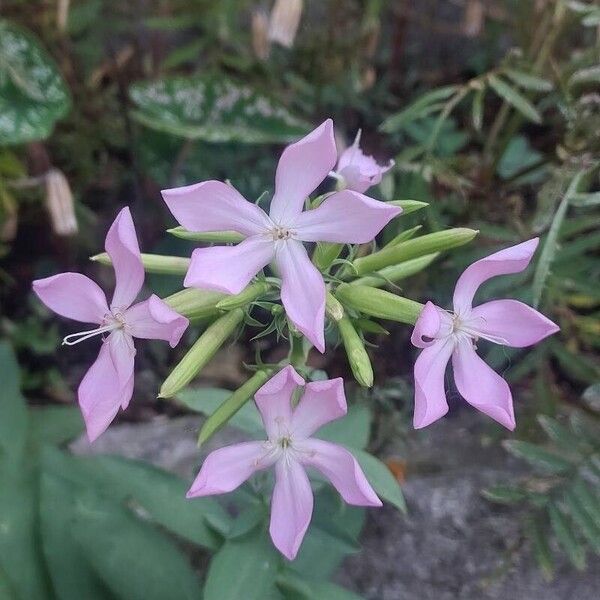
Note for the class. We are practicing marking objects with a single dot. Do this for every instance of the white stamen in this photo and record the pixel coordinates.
(75, 338)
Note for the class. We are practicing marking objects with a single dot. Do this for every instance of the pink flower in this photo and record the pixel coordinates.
(442, 335)
(108, 384)
(289, 449)
(344, 217)
(357, 171)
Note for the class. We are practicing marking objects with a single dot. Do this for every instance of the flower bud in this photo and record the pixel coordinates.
(333, 307)
(201, 352)
(195, 304)
(154, 263)
(425, 244)
(59, 202)
(260, 34)
(398, 272)
(379, 303)
(356, 352)
(408, 206)
(284, 22)
(230, 406)
(249, 294)
(221, 237)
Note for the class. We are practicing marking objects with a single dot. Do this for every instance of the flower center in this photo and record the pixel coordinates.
(281, 233)
(109, 323)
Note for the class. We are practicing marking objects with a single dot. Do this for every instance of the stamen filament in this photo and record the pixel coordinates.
(75, 338)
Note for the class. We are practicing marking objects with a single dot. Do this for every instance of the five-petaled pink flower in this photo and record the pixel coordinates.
(108, 384)
(290, 449)
(344, 217)
(442, 335)
(357, 171)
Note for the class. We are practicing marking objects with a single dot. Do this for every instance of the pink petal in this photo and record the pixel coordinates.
(155, 320)
(122, 246)
(122, 353)
(72, 295)
(357, 180)
(302, 167)
(345, 217)
(227, 468)
(322, 402)
(291, 507)
(274, 401)
(215, 206)
(511, 323)
(229, 269)
(481, 386)
(510, 260)
(302, 291)
(433, 323)
(430, 395)
(101, 394)
(342, 469)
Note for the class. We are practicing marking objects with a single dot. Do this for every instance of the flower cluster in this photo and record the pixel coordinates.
(278, 238)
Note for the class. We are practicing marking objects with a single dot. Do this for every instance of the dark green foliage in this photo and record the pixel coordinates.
(562, 496)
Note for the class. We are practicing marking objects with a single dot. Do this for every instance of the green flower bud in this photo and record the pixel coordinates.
(379, 303)
(225, 237)
(201, 352)
(249, 294)
(154, 263)
(333, 307)
(408, 206)
(425, 244)
(230, 406)
(356, 352)
(398, 272)
(195, 304)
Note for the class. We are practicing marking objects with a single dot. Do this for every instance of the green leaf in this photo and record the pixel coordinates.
(13, 412)
(297, 588)
(589, 529)
(159, 493)
(585, 76)
(243, 568)
(538, 457)
(381, 478)
(134, 559)
(33, 95)
(207, 400)
(559, 434)
(564, 534)
(528, 81)
(322, 550)
(352, 430)
(214, 110)
(504, 494)
(55, 425)
(588, 499)
(549, 249)
(513, 97)
(72, 576)
(586, 200)
(421, 107)
(541, 547)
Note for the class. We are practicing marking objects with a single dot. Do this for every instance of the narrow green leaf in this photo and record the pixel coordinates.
(588, 499)
(550, 245)
(528, 81)
(421, 107)
(405, 235)
(513, 97)
(588, 528)
(540, 545)
(586, 200)
(564, 534)
(504, 494)
(538, 457)
(559, 434)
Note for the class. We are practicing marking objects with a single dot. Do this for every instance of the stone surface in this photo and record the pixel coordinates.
(453, 545)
